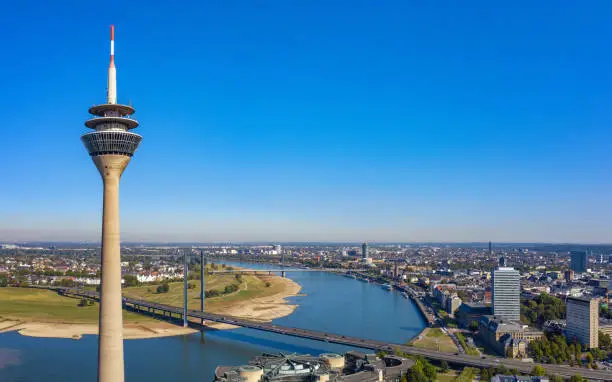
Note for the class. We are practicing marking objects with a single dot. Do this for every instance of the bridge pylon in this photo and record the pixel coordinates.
(202, 283)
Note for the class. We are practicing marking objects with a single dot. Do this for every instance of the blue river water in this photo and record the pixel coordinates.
(331, 303)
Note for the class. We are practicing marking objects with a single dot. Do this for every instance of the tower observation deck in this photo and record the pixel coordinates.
(111, 124)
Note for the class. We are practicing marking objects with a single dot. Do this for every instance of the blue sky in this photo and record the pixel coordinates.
(315, 120)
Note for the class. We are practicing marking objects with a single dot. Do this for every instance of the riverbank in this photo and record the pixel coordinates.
(43, 313)
(265, 308)
(77, 330)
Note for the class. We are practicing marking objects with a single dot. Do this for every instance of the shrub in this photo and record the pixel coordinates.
(163, 288)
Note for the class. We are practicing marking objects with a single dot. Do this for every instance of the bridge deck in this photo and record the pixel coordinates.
(279, 270)
(461, 359)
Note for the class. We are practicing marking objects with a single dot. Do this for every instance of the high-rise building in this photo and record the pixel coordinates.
(452, 304)
(111, 146)
(582, 320)
(506, 293)
(502, 261)
(579, 261)
(569, 275)
(364, 252)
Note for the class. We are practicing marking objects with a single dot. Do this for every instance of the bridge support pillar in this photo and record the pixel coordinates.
(283, 274)
(202, 285)
(185, 270)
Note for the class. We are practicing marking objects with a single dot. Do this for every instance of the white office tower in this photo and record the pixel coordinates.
(582, 317)
(506, 293)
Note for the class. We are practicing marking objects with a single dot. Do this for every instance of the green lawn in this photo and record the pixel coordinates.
(250, 287)
(434, 339)
(47, 306)
(30, 304)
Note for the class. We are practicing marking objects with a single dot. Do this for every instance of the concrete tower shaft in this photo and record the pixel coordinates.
(111, 146)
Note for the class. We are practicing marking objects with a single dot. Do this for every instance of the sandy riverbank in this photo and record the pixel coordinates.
(77, 330)
(263, 309)
(260, 308)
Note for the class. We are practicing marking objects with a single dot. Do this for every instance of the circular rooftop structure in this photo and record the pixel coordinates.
(129, 123)
(99, 110)
(335, 361)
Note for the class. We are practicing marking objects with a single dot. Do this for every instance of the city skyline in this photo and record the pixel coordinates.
(297, 123)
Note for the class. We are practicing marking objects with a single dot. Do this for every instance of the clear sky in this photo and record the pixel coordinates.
(314, 120)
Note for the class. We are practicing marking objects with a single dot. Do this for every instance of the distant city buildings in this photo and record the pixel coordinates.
(506, 293)
(569, 275)
(277, 249)
(579, 261)
(582, 320)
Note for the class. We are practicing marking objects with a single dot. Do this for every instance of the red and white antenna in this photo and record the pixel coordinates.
(111, 90)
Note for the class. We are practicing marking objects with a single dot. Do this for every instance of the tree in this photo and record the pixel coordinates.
(230, 288)
(67, 283)
(576, 378)
(605, 342)
(85, 302)
(538, 370)
(484, 375)
(589, 359)
(430, 371)
(163, 288)
(403, 379)
(444, 366)
(467, 375)
(473, 326)
(131, 280)
(3, 280)
(415, 374)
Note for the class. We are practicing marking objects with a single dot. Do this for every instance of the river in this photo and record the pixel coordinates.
(332, 303)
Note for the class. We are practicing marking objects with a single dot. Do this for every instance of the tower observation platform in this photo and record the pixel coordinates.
(111, 124)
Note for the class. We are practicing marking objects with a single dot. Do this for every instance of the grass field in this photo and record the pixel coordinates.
(449, 376)
(250, 287)
(47, 306)
(435, 339)
(42, 305)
